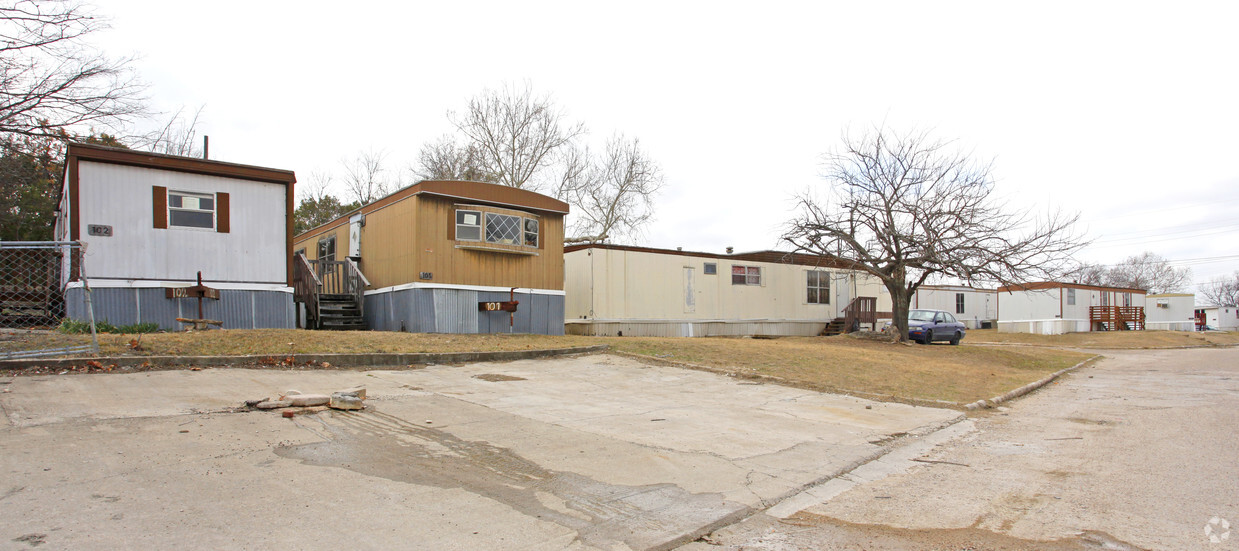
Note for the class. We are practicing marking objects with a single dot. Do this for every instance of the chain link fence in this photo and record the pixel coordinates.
(33, 278)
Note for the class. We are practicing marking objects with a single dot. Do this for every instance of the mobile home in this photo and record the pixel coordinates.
(1054, 308)
(1171, 311)
(634, 291)
(150, 223)
(975, 308)
(439, 257)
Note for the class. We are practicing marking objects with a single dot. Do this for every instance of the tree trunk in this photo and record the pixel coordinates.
(901, 299)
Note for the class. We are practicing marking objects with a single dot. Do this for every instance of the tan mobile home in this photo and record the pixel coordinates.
(1054, 308)
(637, 291)
(443, 257)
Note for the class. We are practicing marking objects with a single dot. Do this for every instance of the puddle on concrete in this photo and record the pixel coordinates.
(498, 377)
(972, 537)
(385, 446)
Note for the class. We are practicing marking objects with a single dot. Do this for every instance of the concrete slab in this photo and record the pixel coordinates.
(597, 452)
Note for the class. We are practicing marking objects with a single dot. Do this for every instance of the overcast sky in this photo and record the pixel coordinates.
(1126, 112)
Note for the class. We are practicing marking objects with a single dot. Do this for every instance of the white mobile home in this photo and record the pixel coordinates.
(150, 223)
(637, 291)
(976, 308)
(1225, 318)
(1054, 308)
(1171, 311)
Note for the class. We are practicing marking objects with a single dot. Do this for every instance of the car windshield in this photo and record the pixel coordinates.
(921, 315)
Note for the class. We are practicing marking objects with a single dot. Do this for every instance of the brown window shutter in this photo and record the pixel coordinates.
(222, 222)
(160, 198)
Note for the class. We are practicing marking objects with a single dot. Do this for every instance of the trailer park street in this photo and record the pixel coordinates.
(608, 452)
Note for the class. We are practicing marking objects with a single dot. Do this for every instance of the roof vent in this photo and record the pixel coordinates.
(730, 249)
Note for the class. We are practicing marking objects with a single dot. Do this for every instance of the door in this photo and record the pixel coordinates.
(690, 293)
(843, 291)
(354, 235)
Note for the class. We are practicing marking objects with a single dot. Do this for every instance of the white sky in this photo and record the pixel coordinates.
(1127, 112)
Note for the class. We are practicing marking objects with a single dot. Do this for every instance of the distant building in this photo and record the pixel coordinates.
(640, 291)
(1054, 308)
(150, 223)
(1225, 318)
(976, 308)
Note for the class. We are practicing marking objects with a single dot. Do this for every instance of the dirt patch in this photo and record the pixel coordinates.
(498, 378)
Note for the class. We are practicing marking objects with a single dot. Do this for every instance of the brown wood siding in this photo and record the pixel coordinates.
(417, 235)
(159, 209)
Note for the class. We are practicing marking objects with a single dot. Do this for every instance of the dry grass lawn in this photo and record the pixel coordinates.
(958, 374)
(1110, 339)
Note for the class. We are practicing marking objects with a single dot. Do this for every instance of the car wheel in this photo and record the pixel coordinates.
(955, 341)
(929, 336)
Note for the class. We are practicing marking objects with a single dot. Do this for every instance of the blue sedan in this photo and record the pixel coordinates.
(926, 326)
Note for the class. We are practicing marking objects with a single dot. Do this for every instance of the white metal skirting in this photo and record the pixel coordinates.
(685, 328)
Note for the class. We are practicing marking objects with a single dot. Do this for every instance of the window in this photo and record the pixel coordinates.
(947, 318)
(531, 232)
(469, 225)
(959, 303)
(191, 210)
(710, 268)
(1126, 299)
(494, 227)
(819, 287)
(327, 248)
(1071, 297)
(503, 228)
(745, 275)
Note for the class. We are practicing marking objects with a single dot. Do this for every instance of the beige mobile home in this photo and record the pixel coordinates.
(1054, 308)
(1171, 312)
(975, 308)
(637, 291)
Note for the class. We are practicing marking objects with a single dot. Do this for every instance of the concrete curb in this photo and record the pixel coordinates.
(1027, 388)
(790, 382)
(298, 360)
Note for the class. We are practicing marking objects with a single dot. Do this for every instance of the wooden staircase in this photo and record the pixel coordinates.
(339, 312)
(861, 311)
(333, 293)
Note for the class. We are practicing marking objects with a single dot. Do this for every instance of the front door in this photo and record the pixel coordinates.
(843, 290)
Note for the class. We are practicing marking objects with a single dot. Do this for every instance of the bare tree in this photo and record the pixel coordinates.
(1088, 274)
(318, 205)
(905, 208)
(50, 80)
(1150, 272)
(364, 177)
(178, 136)
(445, 159)
(1222, 290)
(516, 133)
(615, 196)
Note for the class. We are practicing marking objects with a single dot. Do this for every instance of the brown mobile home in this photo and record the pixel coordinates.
(437, 255)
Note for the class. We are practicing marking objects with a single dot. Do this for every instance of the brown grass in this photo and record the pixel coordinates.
(959, 374)
(1110, 339)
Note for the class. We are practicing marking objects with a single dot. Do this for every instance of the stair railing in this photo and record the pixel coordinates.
(306, 287)
(861, 310)
(356, 283)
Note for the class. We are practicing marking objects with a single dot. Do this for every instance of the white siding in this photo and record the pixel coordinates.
(121, 196)
(1171, 308)
(979, 304)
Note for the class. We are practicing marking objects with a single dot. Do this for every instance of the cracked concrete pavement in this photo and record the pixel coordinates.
(590, 452)
(1138, 451)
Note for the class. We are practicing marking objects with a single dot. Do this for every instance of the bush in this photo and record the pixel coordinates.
(73, 326)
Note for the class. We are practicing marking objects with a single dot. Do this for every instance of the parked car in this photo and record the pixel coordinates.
(926, 326)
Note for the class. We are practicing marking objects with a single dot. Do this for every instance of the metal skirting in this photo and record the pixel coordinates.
(683, 328)
(439, 310)
(238, 309)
